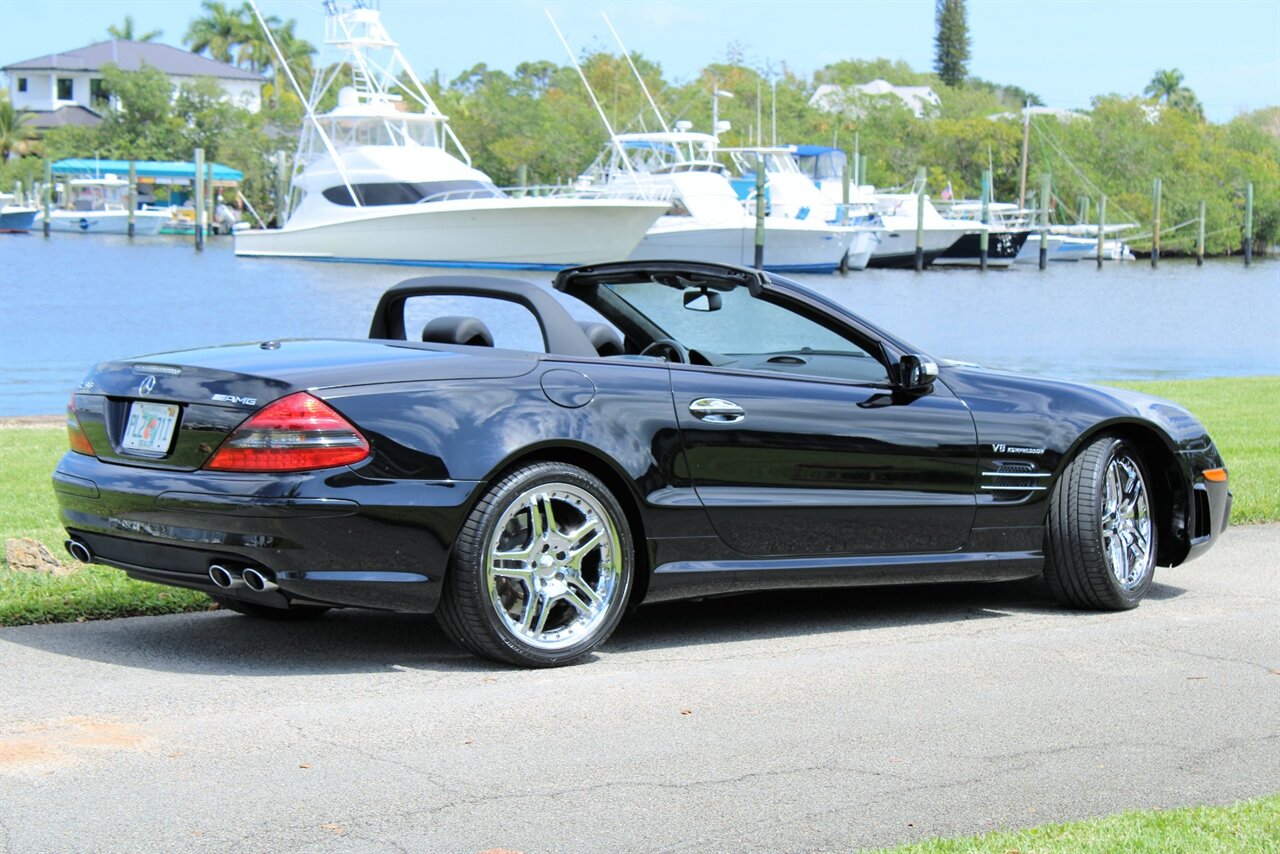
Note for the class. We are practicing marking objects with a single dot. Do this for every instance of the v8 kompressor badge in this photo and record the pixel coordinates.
(1002, 448)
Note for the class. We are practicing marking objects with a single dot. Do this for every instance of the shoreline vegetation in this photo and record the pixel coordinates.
(535, 126)
(1240, 413)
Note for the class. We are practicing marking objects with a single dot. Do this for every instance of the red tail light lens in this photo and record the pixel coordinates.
(76, 438)
(295, 433)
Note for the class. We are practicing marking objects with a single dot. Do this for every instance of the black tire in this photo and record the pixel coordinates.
(265, 612)
(566, 595)
(1080, 568)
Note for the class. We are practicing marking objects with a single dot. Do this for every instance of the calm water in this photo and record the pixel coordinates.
(71, 301)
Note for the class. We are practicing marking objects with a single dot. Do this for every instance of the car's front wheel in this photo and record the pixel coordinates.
(541, 570)
(1101, 537)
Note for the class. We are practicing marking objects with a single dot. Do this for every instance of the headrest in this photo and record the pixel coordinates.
(604, 339)
(453, 329)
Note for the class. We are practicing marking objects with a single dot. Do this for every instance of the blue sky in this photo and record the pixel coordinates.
(1064, 51)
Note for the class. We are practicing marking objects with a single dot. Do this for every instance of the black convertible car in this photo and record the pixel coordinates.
(714, 430)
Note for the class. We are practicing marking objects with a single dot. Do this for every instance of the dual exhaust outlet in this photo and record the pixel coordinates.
(257, 580)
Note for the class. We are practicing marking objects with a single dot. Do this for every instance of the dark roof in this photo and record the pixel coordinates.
(64, 116)
(130, 56)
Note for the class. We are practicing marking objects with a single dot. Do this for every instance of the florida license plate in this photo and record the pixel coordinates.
(150, 427)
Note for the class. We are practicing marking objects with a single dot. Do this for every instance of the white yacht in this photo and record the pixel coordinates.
(101, 206)
(705, 220)
(897, 246)
(791, 194)
(382, 177)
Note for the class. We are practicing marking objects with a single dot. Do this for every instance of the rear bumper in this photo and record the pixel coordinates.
(330, 537)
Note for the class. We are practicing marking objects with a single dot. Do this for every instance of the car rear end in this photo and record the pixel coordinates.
(248, 485)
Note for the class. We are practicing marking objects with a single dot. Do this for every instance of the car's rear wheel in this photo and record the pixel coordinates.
(541, 570)
(1101, 538)
(265, 612)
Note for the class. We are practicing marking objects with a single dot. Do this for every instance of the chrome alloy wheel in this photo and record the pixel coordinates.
(553, 566)
(1126, 522)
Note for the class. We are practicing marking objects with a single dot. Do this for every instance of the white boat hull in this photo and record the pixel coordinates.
(788, 245)
(898, 246)
(531, 232)
(864, 243)
(107, 222)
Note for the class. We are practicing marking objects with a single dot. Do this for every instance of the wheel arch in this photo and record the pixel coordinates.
(1169, 485)
(616, 480)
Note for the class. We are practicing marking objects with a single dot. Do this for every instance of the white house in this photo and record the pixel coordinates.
(65, 88)
(831, 98)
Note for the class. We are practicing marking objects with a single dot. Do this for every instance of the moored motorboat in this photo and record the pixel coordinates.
(15, 219)
(376, 181)
(705, 220)
(101, 206)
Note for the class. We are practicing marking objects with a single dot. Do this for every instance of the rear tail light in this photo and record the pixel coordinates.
(76, 438)
(295, 433)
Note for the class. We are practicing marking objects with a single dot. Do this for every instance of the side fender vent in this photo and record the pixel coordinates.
(1013, 481)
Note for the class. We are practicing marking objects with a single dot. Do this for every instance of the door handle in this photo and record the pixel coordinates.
(717, 411)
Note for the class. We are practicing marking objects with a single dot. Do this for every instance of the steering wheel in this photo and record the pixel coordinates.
(669, 349)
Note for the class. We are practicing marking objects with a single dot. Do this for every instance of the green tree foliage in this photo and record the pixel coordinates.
(951, 43)
(16, 134)
(125, 32)
(233, 35)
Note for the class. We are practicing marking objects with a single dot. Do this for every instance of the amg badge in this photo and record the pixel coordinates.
(231, 398)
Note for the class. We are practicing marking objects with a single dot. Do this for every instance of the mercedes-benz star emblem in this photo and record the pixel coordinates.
(147, 385)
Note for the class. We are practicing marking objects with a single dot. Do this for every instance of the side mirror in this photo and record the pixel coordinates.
(702, 301)
(916, 373)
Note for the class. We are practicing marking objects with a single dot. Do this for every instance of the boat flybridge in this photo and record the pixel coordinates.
(791, 194)
(705, 219)
(382, 177)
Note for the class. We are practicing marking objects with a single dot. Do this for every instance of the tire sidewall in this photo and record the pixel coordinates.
(1121, 448)
(469, 560)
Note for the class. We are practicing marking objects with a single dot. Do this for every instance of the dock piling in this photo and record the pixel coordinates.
(46, 191)
(920, 181)
(1046, 196)
(1102, 227)
(1248, 224)
(984, 239)
(1155, 226)
(133, 196)
(759, 212)
(197, 204)
(211, 198)
(1200, 238)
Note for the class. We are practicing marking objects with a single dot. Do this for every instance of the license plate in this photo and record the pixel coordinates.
(150, 427)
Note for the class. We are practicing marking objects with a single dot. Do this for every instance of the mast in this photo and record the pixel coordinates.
(636, 72)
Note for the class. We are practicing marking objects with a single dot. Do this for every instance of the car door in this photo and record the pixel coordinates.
(792, 464)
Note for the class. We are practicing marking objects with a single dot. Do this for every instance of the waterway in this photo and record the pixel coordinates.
(71, 301)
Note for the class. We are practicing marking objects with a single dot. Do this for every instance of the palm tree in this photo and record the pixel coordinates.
(217, 32)
(125, 32)
(16, 132)
(1164, 84)
(1167, 86)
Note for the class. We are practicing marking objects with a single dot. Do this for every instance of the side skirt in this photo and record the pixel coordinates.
(685, 579)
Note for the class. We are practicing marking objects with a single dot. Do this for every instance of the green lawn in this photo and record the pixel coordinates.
(1243, 417)
(1248, 826)
(1242, 414)
(27, 457)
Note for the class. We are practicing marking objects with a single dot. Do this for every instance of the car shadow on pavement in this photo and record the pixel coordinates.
(789, 613)
(221, 643)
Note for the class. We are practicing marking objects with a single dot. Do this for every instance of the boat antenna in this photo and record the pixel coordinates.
(636, 72)
(324, 137)
(613, 137)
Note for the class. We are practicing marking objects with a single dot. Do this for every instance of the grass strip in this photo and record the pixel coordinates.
(1248, 826)
(1242, 414)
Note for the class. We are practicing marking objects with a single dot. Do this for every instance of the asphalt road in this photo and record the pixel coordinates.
(785, 722)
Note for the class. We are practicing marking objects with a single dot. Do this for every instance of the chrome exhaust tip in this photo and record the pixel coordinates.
(79, 551)
(224, 578)
(258, 581)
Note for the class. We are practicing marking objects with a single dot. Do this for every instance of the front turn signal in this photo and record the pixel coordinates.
(1216, 475)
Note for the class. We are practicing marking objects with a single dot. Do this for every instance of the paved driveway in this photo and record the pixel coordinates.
(770, 722)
